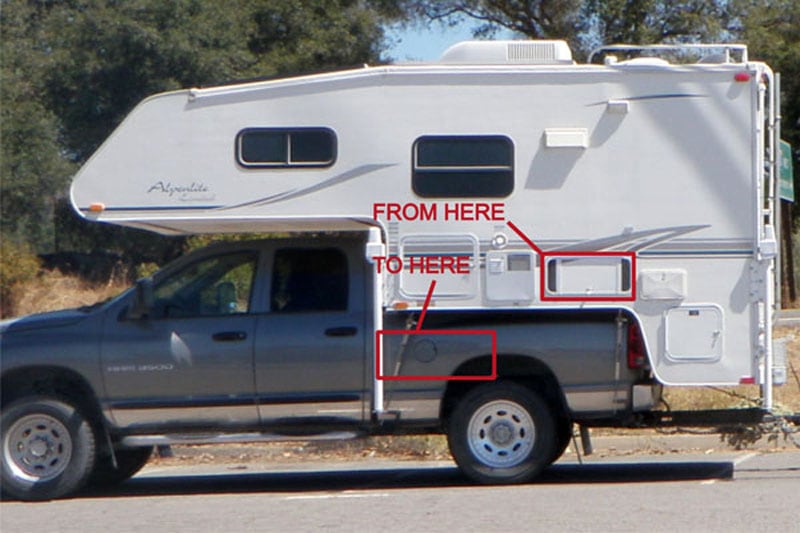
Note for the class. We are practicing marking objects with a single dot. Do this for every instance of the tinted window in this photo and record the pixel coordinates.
(463, 166)
(312, 146)
(309, 280)
(264, 147)
(275, 147)
(220, 285)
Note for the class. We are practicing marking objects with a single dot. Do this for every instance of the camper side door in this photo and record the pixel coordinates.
(310, 343)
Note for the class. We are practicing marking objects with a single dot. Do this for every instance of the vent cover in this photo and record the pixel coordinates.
(508, 53)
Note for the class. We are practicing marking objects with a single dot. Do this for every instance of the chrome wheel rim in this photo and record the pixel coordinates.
(37, 447)
(501, 434)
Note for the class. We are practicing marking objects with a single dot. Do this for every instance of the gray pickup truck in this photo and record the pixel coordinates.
(275, 339)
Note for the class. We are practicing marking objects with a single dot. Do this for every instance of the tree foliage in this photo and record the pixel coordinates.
(586, 24)
(654, 21)
(32, 169)
(72, 69)
(541, 19)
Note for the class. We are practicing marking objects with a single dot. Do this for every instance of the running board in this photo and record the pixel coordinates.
(230, 438)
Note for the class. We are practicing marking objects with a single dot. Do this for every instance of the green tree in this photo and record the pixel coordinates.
(111, 54)
(585, 24)
(540, 19)
(653, 21)
(32, 169)
(73, 69)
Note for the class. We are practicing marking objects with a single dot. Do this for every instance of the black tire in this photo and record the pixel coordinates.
(502, 433)
(564, 428)
(48, 449)
(129, 461)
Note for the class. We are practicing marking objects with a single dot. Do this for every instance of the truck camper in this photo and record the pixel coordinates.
(523, 243)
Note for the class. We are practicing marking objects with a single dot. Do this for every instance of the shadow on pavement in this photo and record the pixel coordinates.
(415, 476)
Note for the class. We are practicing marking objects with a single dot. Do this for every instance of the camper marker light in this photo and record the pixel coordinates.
(742, 76)
(747, 380)
(97, 207)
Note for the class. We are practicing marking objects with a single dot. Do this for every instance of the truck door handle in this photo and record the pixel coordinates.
(229, 336)
(346, 331)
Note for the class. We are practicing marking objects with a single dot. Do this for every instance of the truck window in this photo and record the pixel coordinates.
(304, 280)
(463, 166)
(219, 285)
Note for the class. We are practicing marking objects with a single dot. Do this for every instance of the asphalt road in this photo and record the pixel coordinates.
(733, 491)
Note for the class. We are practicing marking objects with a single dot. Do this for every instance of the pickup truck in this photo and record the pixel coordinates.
(276, 339)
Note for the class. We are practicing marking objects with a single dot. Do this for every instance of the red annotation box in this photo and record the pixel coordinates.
(628, 256)
(490, 333)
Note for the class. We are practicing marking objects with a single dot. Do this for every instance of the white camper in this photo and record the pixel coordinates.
(512, 176)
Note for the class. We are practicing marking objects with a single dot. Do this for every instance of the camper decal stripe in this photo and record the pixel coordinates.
(279, 197)
(652, 97)
(634, 240)
(665, 96)
(156, 208)
(657, 253)
(330, 182)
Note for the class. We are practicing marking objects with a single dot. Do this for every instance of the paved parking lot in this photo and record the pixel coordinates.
(653, 491)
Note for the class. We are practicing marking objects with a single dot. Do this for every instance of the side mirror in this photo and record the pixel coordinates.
(143, 299)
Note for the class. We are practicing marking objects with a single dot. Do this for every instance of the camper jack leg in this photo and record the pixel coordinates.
(376, 248)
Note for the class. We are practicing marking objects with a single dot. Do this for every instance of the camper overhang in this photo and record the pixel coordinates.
(192, 225)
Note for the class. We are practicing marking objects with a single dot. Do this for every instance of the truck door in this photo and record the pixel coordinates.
(310, 358)
(190, 361)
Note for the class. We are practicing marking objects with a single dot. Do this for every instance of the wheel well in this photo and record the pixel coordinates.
(57, 382)
(525, 370)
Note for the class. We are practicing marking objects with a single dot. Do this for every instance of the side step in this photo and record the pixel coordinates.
(230, 438)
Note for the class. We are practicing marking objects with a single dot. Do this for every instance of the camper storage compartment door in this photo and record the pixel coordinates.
(694, 333)
(425, 258)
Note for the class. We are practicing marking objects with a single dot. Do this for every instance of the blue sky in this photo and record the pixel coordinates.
(427, 44)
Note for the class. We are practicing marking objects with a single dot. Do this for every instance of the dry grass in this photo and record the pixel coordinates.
(51, 291)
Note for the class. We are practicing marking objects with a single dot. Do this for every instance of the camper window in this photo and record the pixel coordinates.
(281, 148)
(463, 166)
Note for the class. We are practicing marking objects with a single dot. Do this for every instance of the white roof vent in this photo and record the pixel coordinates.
(508, 53)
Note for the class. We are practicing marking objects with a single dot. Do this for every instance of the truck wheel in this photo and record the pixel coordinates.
(47, 449)
(129, 461)
(502, 432)
(563, 438)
